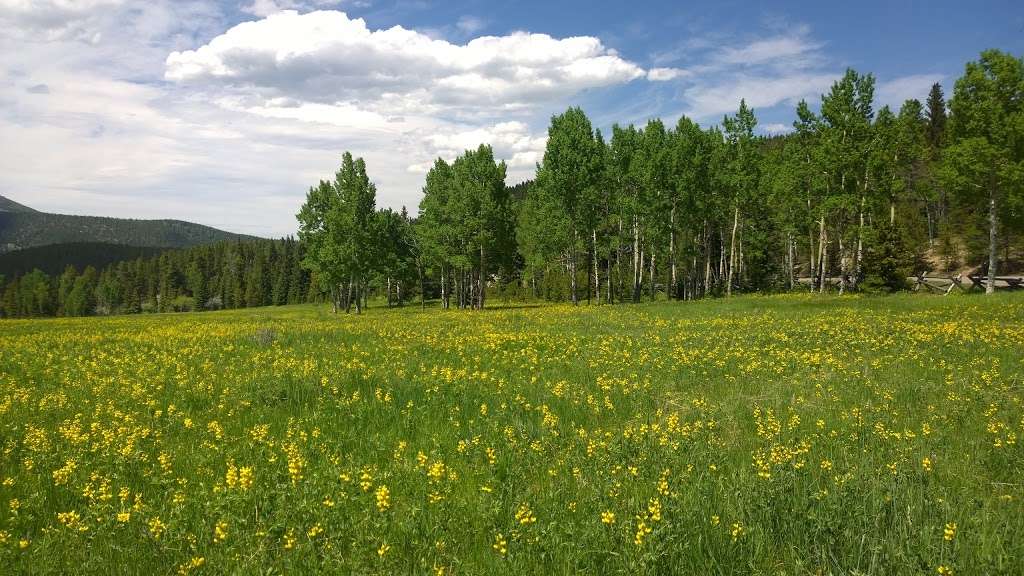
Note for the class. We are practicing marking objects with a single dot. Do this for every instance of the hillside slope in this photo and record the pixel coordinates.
(20, 230)
(8, 205)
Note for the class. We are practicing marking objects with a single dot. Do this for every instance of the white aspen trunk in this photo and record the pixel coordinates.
(348, 298)
(572, 269)
(483, 275)
(691, 288)
(732, 251)
(812, 265)
(860, 239)
(444, 287)
(823, 258)
(670, 292)
(637, 264)
(993, 222)
(842, 267)
(597, 276)
(640, 277)
(822, 246)
(707, 261)
(654, 287)
(359, 299)
(789, 259)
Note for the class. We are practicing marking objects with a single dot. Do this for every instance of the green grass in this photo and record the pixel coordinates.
(761, 435)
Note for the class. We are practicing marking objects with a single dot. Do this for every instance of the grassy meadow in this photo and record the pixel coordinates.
(762, 435)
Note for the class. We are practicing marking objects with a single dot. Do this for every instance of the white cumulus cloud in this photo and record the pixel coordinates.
(327, 57)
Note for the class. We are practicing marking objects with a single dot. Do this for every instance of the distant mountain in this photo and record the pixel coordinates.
(8, 205)
(22, 227)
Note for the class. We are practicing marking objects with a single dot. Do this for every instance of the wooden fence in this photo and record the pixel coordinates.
(936, 284)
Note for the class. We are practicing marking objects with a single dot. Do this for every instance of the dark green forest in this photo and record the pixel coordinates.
(856, 198)
(230, 274)
(55, 258)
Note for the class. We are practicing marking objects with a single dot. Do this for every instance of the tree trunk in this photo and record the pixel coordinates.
(640, 278)
(707, 254)
(812, 267)
(823, 258)
(789, 259)
(720, 273)
(572, 277)
(618, 263)
(842, 267)
(348, 297)
(597, 275)
(820, 272)
(671, 292)
(654, 287)
(483, 275)
(993, 222)
(860, 240)
(359, 298)
(423, 292)
(637, 265)
(732, 251)
(444, 288)
(608, 281)
(389, 292)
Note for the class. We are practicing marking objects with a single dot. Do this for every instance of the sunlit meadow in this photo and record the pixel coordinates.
(764, 435)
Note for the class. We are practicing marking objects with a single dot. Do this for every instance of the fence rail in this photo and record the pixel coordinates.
(936, 284)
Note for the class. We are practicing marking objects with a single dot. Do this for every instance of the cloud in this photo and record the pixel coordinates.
(895, 91)
(470, 24)
(782, 68)
(713, 99)
(666, 74)
(510, 140)
(775, 128)
(263, 8)
(38, 89)
(326, 57)
(50, 20)
(791, 48)
(513, 142)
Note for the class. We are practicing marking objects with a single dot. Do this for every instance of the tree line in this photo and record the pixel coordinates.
(854, 196)
(227, 274)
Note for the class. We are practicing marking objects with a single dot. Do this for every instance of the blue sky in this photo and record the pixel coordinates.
(226, 112)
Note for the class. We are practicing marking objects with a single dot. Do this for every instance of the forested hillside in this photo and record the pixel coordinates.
(230, 274)
(28, 229)
(8, 205)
